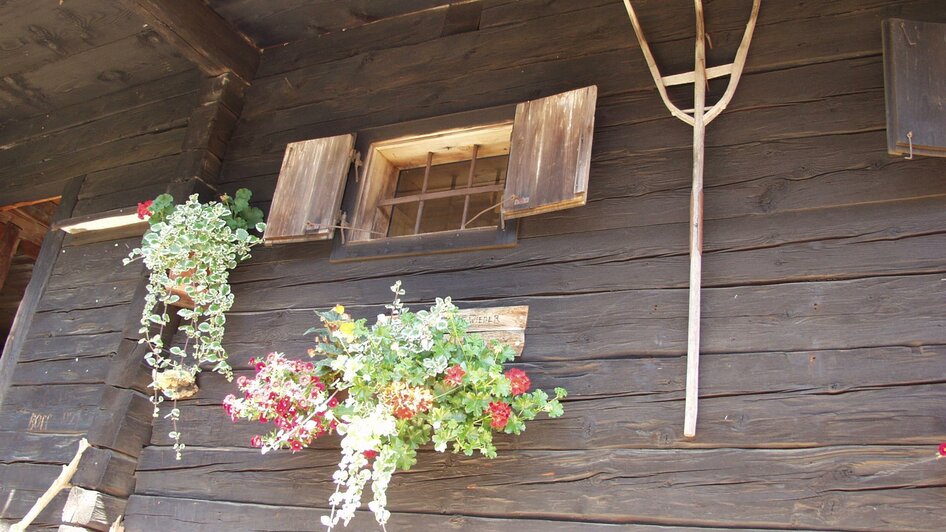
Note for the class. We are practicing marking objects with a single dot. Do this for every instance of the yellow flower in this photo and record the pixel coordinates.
(338, 309)
(346, 330)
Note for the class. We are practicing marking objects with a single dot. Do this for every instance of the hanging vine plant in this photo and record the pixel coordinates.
(189, 250)
(409, 380)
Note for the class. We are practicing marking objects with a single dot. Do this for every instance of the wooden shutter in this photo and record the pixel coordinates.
(550, 153)
(915, 82)
(309, 191)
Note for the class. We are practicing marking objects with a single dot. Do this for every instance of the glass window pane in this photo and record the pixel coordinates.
(479, 203)
(446, 214)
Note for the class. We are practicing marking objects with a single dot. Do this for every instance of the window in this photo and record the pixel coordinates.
(437, 191)
(445, 181)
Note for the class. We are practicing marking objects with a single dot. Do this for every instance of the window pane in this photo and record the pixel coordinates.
(402, 219)
(478, 204)
(446, 214)
(490, 171)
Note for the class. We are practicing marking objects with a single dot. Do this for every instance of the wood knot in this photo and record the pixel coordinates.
(665, 438)
(844, 472)
(829, 509)
(114, 75)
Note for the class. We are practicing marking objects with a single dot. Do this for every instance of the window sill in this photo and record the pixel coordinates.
(426, 244)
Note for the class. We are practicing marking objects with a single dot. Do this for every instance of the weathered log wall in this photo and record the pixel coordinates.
(824, 328)
(824, 331)
(123, 147)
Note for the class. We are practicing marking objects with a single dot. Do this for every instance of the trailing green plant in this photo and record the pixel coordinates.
(189, 250)
(388, 389)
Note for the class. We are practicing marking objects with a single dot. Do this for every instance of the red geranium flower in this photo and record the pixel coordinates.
(518, 380)
(941, 452)
(455, 375)
(499, 412)
(370, 454)
(143, 211)
(256, 441)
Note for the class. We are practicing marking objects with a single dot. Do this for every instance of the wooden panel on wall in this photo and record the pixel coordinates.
(309, 192)
(915, 75)
(550, 154)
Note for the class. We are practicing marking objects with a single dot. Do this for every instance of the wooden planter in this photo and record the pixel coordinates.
(185, 300)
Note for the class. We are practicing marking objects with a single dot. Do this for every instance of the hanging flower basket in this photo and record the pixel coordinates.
(189, 250)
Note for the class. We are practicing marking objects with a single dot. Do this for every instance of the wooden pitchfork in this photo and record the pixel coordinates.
(698, 117)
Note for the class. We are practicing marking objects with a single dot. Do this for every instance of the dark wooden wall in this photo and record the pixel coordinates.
(824, 329)
(124, 147)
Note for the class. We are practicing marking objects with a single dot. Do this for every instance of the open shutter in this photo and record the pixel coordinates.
(309, 191)
(550, 153)
(915, 82)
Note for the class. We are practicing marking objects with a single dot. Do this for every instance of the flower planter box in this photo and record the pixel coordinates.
(185, 300)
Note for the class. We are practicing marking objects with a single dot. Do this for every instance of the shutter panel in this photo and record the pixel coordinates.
(915, 83)
(309, 190)
(550, 153)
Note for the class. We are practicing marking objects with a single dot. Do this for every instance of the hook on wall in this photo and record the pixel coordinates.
(906, 35)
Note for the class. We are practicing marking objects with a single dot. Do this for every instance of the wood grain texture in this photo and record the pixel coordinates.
(550, 154)
(201, 35)
(795, 399)
(92, 510)
(823, 266)
(283, 21)
(846, 488)
(89, 74)
(309, 192)
(9, 239)
(22, 323)
(506, 325)
(34, 35)
(181, 514)
(546, 47)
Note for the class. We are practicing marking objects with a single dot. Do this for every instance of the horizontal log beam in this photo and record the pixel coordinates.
(201, 35)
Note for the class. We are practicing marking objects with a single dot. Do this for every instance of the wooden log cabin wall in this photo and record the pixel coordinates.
(824, 331)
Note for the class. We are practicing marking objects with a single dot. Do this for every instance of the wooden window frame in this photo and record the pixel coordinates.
(322, 185)
(386, 157)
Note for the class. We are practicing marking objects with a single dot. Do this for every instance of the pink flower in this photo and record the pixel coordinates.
(256, 441)
(143, 210)
(518, 380)
(941, 452)
(455, 375)
(333, 402)
(228, 406)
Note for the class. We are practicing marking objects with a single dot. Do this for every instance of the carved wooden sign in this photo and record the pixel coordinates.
(505, 324)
